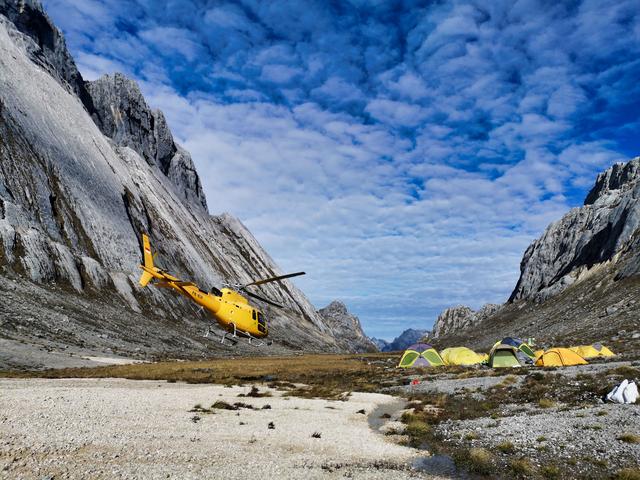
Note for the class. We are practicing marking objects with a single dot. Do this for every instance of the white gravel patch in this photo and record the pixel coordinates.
(114, 428)
(113, 360)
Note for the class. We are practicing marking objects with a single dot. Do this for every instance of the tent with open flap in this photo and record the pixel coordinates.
(522, 347)
(502, 356)
(420, 355)
(523, 351)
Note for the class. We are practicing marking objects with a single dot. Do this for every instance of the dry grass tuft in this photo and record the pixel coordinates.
(509, 380)
(550, 472)
(475, 460)
(629, 438)
(546, 403)
(506, 447)
(627, 474)
(471, 436)
(521, 467)
(222, 405)
(255, 393)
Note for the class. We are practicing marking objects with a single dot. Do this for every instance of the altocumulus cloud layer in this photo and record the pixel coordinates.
(403, 153)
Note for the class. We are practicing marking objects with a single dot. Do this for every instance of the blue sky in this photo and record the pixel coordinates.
(403, 153)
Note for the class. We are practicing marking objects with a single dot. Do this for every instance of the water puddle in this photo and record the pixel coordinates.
(383, 413)
(437, 465)
(440, 465)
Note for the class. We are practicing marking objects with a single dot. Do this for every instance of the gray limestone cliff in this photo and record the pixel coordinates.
(346, 328)
(585, 237)
(460, 317)
(84, 170)
(123, 115)
(44, 45)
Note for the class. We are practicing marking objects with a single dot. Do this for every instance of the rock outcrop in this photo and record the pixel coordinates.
(79, 182)
(585, 237)
(346, 328)
(380, 343)
(460, 317)
(406, 338)
(123, 115)
(47, 47)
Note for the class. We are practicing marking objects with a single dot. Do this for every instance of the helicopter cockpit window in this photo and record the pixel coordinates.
(262, 324)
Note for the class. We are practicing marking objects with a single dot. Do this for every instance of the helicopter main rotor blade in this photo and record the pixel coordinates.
(273, 279)
(270, 302)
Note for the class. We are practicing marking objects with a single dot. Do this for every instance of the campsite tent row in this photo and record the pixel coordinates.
(509, 352)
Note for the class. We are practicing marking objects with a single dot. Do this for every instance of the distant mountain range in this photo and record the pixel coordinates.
(402, 341)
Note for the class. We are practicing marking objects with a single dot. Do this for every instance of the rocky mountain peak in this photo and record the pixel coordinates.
(585, 237)
(336, 307)
(346, 328)
(47, 47)
(122, 114)
(460, 317)
(619, 176)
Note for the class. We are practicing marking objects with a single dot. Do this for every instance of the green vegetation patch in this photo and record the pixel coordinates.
(475, 460)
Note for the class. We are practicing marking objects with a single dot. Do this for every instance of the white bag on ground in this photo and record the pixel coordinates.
(616, 395)
(630, 393)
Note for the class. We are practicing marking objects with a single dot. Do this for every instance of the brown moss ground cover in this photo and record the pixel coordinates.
(327, 375)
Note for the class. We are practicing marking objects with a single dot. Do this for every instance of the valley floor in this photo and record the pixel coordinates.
(115, 428)
(333, 416)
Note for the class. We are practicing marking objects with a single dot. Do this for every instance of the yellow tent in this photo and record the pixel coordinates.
(538, 353)
(461, 356)
(559, 357)
(592, 351)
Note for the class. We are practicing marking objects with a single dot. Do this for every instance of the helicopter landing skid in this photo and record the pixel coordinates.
(235, 337)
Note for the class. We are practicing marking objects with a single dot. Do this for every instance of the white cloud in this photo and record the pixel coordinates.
(396, 113)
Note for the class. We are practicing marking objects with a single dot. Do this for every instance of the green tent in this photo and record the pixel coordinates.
(420, 355)
(502, 356)
(525, 354)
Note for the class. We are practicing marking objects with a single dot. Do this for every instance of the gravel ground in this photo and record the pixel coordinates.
(434, 383)
(584, 435)
(14, 354)
(113, 428)
(453, 385)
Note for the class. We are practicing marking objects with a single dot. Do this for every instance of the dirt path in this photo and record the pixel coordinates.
(114, 428)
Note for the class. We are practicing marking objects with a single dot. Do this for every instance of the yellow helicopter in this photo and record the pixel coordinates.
(231, 310)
